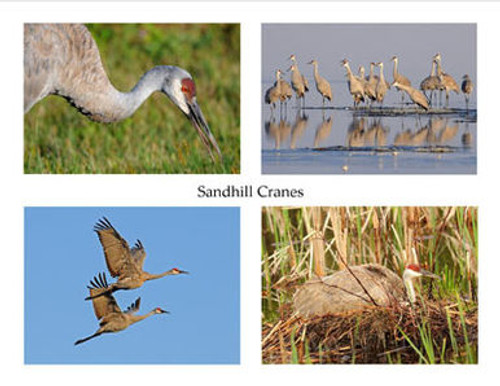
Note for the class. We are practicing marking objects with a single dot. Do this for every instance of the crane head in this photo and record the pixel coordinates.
(394, 58)
(292, 57)
(344, 62)
(177, 271)
(413, 271)
(436, 57)
(158, 310)
(313, 61)
(179, 86)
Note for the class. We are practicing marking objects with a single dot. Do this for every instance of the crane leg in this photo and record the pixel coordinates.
(88, 338)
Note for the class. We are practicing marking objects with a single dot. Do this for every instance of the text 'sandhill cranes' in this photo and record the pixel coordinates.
(356, 288)
(111, 318)
(64, 60)
(123, 262)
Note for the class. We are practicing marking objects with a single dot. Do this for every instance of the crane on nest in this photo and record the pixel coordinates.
(64, 60)
(357, 287)
(111, 317)
(123, 262)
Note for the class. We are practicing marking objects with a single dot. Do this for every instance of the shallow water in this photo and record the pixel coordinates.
(339, 140)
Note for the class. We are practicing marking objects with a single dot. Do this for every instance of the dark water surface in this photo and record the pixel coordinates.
(331, 141)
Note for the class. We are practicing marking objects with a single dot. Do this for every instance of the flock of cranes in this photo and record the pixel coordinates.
(125, 264)
(371, 88)
(64, 60)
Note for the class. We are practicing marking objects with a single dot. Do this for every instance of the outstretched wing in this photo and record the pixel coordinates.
(105, 304)
(116, 249)
(138, 254)
(134, 307)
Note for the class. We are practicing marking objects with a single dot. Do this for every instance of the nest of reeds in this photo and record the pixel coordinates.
(432, 333)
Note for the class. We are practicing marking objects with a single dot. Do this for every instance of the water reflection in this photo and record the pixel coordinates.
(437, 131)
(299, 127)
(361, 131)
(323, 130)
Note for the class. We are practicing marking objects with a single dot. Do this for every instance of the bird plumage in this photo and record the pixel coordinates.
(123, 262)
(355, 288)
(111, 318)
(64, 60)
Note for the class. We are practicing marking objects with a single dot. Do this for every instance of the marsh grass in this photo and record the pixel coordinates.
(442, 329)
(157, 138)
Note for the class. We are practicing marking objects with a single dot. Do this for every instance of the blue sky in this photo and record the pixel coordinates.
(62, 253)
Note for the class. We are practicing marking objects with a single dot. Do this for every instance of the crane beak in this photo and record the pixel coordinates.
(200, 124)
(429, 274)
(185, 272)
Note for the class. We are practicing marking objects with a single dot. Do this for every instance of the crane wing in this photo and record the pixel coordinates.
(116, 249)
(105, 304)
(134, 307)
(138, 254)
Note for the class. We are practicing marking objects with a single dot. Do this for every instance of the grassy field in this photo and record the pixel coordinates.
(157, 138)
(298, 243)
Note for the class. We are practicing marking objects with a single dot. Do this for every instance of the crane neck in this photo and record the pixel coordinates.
(107, 104)
(278, 83)
(151, 276)
(382, 79)
(395, 69)
(137, 318)
(316, 73)
(410, 289)
(439, 69)
(349, 72)
(433, 70)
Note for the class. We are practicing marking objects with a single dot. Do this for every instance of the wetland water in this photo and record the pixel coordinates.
(331, 141)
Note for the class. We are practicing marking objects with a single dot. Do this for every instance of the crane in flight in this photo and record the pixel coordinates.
(111, 318)
(357, 287)
(123, 262)
(64, 60)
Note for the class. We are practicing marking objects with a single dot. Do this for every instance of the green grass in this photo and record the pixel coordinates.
(157, 138)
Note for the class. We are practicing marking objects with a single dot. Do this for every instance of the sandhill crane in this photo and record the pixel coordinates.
(415, 95)
(304, 79)
(286, 89)
(297, 83)
(371, 84)
(273, 94)
(64, 60)
(111, 317)
(322, 84)
(355, 288)
(447, 81)
(382, 87)
(398, 78)
(124, 262)
(431, 83)
(355, 85)
(467, 87)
